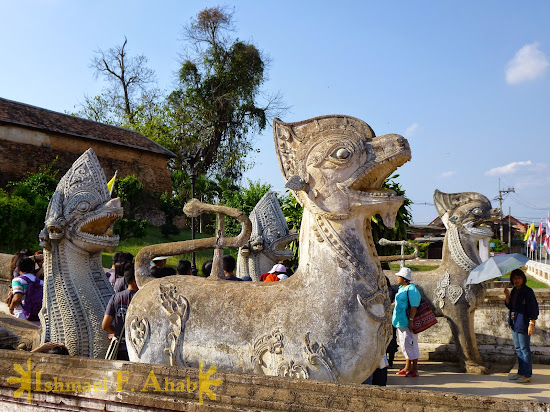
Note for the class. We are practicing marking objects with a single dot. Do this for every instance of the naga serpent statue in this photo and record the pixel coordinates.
(331, 319)
(464, 216)
(77, 228)
(269, 237)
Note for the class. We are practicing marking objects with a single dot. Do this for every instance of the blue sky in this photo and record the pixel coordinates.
(467, 82)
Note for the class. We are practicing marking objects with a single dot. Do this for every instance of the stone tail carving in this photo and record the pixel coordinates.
(176, 307)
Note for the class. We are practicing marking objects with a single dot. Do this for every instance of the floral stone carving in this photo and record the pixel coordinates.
(336, 166)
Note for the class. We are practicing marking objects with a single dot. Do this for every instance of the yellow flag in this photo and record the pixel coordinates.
(528, 233)
(111, 183)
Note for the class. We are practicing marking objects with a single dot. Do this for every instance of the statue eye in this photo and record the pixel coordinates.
(477, 211)
(83, 206)
(339, 155)
(342, 153)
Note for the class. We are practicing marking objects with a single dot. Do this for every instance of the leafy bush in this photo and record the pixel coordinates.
(244, 199)
(127, 228)
(131, 192)
(22, 213)
(169, 229)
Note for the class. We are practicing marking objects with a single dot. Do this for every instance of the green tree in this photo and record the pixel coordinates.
(132, 193)
(215, 109)
(23, 211)
(244, 199)
(402, 221)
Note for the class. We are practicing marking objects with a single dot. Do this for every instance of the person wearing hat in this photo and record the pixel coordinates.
(159, 268)
(273, 274)
(407, 297)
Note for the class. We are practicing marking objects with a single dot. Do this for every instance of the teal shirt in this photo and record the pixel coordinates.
(400, 318)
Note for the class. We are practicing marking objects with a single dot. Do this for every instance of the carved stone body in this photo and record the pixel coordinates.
(331, 319)
(76, 290)
(463, 215)
(269, 237)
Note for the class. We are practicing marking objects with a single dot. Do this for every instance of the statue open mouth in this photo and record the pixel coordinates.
(97, 228)
(368, 181)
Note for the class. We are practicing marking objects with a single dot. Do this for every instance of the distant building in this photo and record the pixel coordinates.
(31, 137)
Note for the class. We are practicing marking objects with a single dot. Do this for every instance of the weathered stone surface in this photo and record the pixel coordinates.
(77, 228)
(463, 215)
(330, 320)
(230, 392)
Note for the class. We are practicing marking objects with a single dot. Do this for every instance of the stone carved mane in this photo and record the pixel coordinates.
(269, 237)
(330, 320)
(464, 215)
(77, 226)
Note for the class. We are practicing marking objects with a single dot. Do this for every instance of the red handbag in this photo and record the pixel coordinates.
(424, 318)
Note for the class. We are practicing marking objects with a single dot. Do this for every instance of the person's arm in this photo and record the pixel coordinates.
(46, 347)
(533, 311)
(16, 301)
(507, 297)
(411, 317)
(107, 324)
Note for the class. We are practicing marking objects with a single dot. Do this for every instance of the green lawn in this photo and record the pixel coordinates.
(414, 268)
(154, 236)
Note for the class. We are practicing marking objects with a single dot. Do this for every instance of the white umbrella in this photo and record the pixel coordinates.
(496, 266)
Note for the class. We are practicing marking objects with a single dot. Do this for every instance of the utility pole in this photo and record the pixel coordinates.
(500, 192)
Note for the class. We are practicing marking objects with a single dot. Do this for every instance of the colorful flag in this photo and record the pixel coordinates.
(539, 230)
(533, 245)
(527, 234)
(548, 226)
(111, 183)
(547, 243)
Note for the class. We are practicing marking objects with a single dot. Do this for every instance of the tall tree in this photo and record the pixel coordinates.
(131, 95)
(215, 109)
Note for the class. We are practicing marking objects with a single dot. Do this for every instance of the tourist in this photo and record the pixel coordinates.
(407, 297)
(115, 314)
(229, 266)
(524, 311)
(27, 292)
(159, 268)
(273, 274)
(39, 260)
(184, 268)
(207, 268)
(110, 273)
(124, 259)
(15, 260)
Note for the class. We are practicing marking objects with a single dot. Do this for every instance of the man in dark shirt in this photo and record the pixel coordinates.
(115, 314)
(229, 265)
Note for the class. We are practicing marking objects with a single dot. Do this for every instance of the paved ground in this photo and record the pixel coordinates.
(445, 377)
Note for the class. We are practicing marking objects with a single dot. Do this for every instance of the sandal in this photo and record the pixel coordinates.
(412, 374)
(402, 372)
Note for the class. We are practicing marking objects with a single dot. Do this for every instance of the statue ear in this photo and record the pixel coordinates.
(296, 183)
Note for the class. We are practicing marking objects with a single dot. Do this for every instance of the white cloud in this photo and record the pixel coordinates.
(447, 174)
(411, 130)
(508, 169)
(529, 63)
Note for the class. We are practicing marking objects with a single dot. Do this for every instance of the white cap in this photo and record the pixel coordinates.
(405, 273)
(278, 268)
(161, 258)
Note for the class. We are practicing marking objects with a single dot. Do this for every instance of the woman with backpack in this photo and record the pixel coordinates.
(27, 292)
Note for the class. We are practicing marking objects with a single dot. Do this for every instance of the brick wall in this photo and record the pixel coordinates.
(39, 149)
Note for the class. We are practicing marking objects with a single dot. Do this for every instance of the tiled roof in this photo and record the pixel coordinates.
(42, 119)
